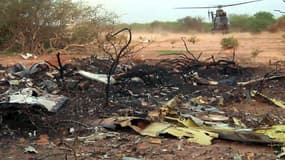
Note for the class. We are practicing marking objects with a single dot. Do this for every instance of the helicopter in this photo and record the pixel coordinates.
(220, 21)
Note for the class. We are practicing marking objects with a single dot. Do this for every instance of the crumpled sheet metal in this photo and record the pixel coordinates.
(195, 135)
(202, 134)
(192, 134)
(97, 77)
(202, 131)
(30, 96)
(155, 129)
(276, 133)
(273, 134)
(218, 123)
(20, 70)
(241, 135)
(232, 80)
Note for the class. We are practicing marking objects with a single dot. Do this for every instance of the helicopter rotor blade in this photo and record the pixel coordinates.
(279, 11)
(236, 4)
(219, 6)
(195, 7)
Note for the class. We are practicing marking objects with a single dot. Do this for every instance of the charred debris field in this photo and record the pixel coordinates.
(182, 108)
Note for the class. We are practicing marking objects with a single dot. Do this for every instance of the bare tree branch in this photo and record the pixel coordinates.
(118, 56)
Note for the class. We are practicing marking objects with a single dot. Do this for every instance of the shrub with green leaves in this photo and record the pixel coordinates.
(229, 43)
(261, 21)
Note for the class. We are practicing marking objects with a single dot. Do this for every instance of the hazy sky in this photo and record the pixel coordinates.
(150, 10)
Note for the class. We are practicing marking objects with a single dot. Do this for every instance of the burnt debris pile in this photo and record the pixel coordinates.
(186, 97)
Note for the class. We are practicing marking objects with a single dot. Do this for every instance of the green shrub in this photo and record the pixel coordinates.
(260, 21)
(229, 43)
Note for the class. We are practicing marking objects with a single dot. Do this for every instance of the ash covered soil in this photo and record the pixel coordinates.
(142, 86)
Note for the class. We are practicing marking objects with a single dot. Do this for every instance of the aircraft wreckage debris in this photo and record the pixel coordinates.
(198, 101)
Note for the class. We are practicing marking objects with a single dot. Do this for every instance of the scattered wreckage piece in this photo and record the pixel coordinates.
(155, 129)
(192, 134)
(276, 132)
(274, 101)
(144, 74)
(20, 70)
(31, 150)
(103, 78)
(269, 135)
(131, 158)
(213, 120)
(282, 154)
(153, 75)
(232, 80)
(27, 56)
(52, 103)
(198, 134)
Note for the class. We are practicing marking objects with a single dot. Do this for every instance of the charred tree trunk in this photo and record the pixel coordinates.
(115, 62)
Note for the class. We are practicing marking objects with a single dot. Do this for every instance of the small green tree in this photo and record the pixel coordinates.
(261, 21)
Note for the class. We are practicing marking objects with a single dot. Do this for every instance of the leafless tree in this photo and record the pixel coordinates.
(115, 53)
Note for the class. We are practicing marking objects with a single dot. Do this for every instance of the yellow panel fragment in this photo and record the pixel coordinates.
(192, 134)
(276, 133)
(276, 102)
(239, 123)
(154, 129)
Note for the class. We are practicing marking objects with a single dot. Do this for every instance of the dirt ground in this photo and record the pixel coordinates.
(162, 45)
(271, 45)
(129, 144)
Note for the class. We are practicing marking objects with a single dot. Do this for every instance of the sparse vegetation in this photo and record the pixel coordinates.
(186, 24)
(260, 21)
(42, 27)
(170, 52)
(34, 26)
(255, 53)
(173, 42)
(193, 39)
(229, 43)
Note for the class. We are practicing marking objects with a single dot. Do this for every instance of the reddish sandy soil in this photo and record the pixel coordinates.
(271, 45)
(8, 60)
